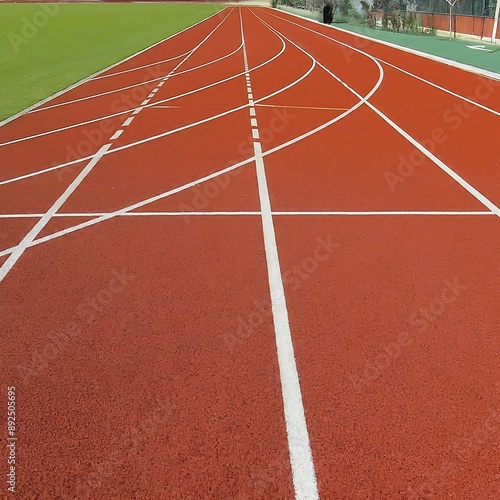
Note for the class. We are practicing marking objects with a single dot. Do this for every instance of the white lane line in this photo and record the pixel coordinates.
(161, 83)
(117, 134)
(274, 213)
(27, 241)
(299, 107)
(36, 107)
(150, 96)
(460, 180)
(252, 111)
(250, 102)
(141, 67)
(128, 121)
(143, 103)
(209, 63)
(395, 212)
(301, 460)
(253, 122)
(463, 98)
(137, 111)
(250, 97)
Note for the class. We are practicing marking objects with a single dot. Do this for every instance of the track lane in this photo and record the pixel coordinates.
(143, 346)
(266, 475)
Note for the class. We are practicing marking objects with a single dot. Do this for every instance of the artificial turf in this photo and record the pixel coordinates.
(46, 47)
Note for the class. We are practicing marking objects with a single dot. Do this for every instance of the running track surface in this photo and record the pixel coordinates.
(258, 260)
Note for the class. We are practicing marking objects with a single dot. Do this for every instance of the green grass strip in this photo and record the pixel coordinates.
(45, 48)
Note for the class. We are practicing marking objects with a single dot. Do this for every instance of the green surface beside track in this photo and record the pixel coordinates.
(46, 47)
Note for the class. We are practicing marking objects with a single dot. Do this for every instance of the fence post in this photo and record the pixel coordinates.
(495, 23)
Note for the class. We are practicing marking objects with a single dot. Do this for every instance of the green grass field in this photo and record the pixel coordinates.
(46, 47)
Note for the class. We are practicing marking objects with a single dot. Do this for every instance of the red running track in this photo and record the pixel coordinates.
(257, 260)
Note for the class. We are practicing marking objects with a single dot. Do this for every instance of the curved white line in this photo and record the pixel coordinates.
(362, 100)
(62, 129)
(139, 67)
(209, 63)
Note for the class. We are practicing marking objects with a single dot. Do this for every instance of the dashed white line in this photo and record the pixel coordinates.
(137, 111)
(117, 134)
(128, 121)
(301, 460)
(143, 103)
(252, 111)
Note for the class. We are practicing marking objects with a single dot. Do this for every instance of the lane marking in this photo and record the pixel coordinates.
(300, 107)
(117, 134)
(253, 122)
(255, 133)
(150, 96)
(28, 240)
(141, 67)
(165, 107)
(137, 111)
(250, 102)
(274, 213)
(143, 103)
(128, 121)
(252, 111)
(250, 97)
(301, 461)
